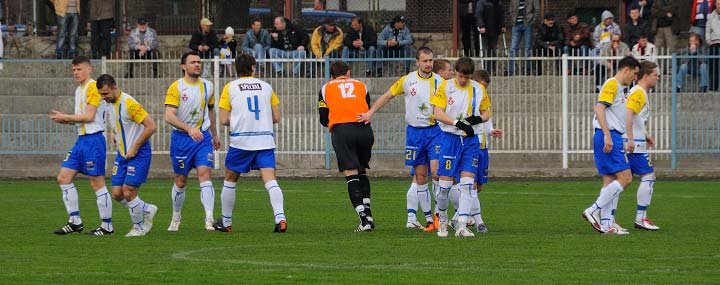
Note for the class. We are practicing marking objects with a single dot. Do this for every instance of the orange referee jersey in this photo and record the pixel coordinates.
(345, 98)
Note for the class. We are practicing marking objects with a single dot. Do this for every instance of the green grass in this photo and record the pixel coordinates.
(536, 236)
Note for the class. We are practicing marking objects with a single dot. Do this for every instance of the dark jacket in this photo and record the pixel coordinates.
(368, 37)
(232, 45)
(682, 19)
(531, 11)
(211, 40)
(547, 36)
(489, 14)
(581, 29)
(631, 33)
(659, 15)
(296, 37)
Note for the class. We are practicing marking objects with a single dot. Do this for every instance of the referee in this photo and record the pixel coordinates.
(341, 101)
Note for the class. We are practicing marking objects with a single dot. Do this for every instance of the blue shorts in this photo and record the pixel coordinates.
(421, 145)
(613, 162)
(132, 172)
(481, 176)
(458, 154)
(242, 161)
(640, 163)
(87, 155)
(186, 154)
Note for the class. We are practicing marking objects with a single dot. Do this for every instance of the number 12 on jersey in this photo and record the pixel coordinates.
(346, 89)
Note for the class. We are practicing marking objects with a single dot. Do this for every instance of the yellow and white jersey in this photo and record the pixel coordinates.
(87, 94)
(638, 102)
(249, 101)
(460, 103)
(417, 90)
(127, 116)
(193, 102)
(613, 96)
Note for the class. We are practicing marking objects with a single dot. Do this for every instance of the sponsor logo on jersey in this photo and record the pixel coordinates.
(249, 86)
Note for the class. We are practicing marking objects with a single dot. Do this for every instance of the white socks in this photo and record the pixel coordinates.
(644, 196)
(207, 197)
(423, 195)
(276, 200)
(465, 186)
(227, 199)
(475, 209)
(412, 202)
(178, 197)
(454, 196)
(136, 208)
(70, 198)
(104, 203)
(442, 199)
(608, 195)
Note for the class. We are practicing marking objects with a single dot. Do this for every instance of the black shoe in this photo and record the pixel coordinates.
(677, 89)
(368, 73)
(69, 228)
(704, 89)
(220, 227)
(100, 232)
(280, 227)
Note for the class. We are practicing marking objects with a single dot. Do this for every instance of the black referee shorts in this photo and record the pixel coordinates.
(353, 145)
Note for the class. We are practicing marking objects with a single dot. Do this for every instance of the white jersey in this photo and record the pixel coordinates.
(127, 116)
(87, 94)
(484, 135)
(638, 102)
(193, 102)
(417, 90)
(460, 103)
(249, 101)
(613, 96)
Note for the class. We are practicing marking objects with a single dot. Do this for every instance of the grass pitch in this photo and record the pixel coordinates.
(536, 236)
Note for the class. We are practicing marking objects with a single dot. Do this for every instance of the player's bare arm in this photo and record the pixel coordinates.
(213, 127)
(630, 148)
(275, 114)
(384, 99)
(150, 128)
(62, 118)
(224, 117)
(600, 114)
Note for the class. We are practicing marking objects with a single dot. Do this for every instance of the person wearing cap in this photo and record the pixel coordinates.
(143, 43)
(548, 41)
(228, 49)
(395, 40)
(605, 30)
(287, 41)
(101, 16)
(256, 41)
(204, 40)
(327, 40)
(68, 19)
(523, 15)
(360, 42)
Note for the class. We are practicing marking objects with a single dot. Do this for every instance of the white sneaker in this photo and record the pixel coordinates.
(414, 225)
(363, 228)
(464, 232)
(209, 224)
(135, 231)
(442, 230)
(471, 222)
(620, 228)
(616, 231)
(646, 224)
(148, 217)
(592, 219)
(174, 225)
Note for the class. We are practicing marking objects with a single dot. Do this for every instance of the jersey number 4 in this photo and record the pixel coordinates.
(346, 90)
(255, 108)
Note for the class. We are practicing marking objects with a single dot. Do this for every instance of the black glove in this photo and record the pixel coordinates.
(474, 120)
(465, 128)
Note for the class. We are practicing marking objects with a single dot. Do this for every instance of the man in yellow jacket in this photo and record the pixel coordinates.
(68, 19)
(327, 40)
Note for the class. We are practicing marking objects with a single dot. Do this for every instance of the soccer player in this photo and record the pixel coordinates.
(341, 101)
(639, 140)
(88, 154)
(421, 132)
(460, 107)
(250, 107)
(133, 127)
(444, 68)
(189, 109)
(609, 122)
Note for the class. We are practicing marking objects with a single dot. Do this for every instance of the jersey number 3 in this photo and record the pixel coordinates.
(255, 108)
(346, 90)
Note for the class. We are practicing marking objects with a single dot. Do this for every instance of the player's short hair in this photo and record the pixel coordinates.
(254, 20)
(629, 62)
(481, 76)
(339, 68)
(80, 59)
(465, 65)
(105, 80)
(184, 57)
(423, 50)
(646, 68)
(440, 64)
(697, 37)
(244, 64)
(358, 19)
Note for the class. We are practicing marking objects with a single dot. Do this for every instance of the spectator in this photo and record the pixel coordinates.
(395, 40)
(548, 41)
(522, 14)
(644, 50)
(102, 20)
(68, 19)
(228, 51)
(327, 40)
(287, 41)
(615, 48)
(699, 15)
(468, 24)
(712, 36)
(490, 18)
(360, 41)
(577, 36)
(693, 66)
(634, 28)
(444, 68)
(663, 24)
(256, 41)
(143, 43)
(1, 43)
(604, 31)
(644, 6)
(204, 41)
